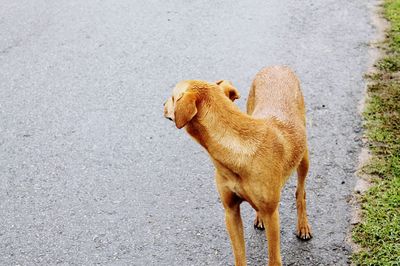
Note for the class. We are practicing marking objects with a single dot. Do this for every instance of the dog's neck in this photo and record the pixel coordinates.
(221, 128)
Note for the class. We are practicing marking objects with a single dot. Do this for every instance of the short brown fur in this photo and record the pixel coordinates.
(253, 153)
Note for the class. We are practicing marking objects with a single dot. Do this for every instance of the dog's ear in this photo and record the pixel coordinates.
(229, 90)
(185, 109)
(232, 93)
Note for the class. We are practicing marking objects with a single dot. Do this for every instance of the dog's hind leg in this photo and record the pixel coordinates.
(258, 222)
(303, 227)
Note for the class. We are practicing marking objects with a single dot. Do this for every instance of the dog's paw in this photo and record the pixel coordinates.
(304, 232)
(258, 223)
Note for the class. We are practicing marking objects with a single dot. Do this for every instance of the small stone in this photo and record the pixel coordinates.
(361, 186)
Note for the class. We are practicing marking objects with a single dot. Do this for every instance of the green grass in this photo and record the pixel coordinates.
(379, 232)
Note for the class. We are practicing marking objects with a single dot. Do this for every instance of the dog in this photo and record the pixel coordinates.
(254, 153)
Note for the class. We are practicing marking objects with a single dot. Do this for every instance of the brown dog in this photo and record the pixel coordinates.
(253, 153)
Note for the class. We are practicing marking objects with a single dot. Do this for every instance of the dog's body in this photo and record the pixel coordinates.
(253, 153)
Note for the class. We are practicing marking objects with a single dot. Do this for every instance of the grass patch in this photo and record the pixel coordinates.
(379, 232)
(391, 63)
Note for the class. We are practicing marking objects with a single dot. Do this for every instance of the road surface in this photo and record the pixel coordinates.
(91, 173)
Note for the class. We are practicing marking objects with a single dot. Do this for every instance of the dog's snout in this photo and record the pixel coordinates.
(168, 110)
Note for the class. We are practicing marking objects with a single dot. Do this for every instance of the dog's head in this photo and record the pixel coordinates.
(182, 106)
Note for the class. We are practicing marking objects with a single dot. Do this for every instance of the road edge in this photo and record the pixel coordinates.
(363, 181)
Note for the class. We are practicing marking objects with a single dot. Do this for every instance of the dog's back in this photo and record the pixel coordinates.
(276, 92)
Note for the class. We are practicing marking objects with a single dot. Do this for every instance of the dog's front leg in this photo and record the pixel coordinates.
(235, 230)
(271, 218)
(233, 220)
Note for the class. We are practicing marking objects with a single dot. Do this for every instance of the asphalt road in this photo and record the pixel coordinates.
(91, 173)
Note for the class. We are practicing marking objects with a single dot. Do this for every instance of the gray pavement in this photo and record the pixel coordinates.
(90, 171)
